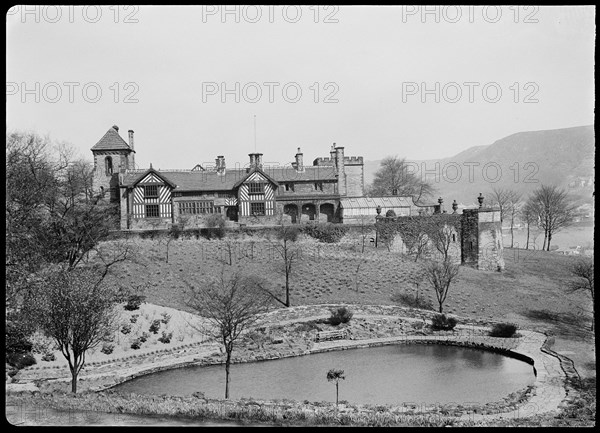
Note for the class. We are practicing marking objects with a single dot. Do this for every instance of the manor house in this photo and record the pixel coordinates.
(329, 190)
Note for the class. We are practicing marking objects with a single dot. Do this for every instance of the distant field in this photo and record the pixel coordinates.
(530, 292)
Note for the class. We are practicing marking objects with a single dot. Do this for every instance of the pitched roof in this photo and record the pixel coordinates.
(112, 141)
(210, 180)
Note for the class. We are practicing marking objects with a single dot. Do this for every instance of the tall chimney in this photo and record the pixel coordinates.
(252, 159)
(332, 154)
(259, 160)
(132, 154)
(339, 163)
(299, 161)
(220, 164)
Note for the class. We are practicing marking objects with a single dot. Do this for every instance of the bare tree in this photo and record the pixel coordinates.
(76, 309)
(555, 211)
(441, 275)
(529, 215)
(394, 177)
(442, 233)
(232, 305)
(501, 199)
(286, 247)
(583, 270)
(514, 205)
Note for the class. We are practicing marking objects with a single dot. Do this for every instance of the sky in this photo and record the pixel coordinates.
(195, 82)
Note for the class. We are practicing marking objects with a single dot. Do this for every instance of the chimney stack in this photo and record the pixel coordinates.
(339, 166)
(220, 164)
(299, 161)
(255, 160)
(332, 154)
(132, 155)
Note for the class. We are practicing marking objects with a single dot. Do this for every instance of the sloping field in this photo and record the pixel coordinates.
(530, 292)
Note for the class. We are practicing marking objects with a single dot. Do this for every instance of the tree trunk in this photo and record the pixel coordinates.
(512, 236)
(527, 244)
(287, 288)
(74, 382)
(336, 394)
(440, 307)
(549, 238)
(227, 365)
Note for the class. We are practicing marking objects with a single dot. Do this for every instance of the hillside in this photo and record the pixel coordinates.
(563, 157)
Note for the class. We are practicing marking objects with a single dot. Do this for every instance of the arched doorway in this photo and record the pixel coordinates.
(309, 210)
(291, 210)
(232, 213)
(327, 212)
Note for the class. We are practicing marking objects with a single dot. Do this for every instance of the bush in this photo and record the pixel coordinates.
(155, 326)
(390, 213)
(134, 302)
(440, 322)
(504, 330)
(136, 344)
(165, 318)
(107, 348)
(144, 337)
(216, 227)
(48, 356)
(166, 338)
(134, 318)
(20, 360)
(17, 340)
(341, 315)
(411, 301)
(126, 329)
(329, 233)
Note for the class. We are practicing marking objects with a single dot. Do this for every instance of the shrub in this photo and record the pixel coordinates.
(134, 318)
(165, 318)
(17, 340)
(20, 360)
(390, 213)
(216, 227)
(155, 326)
(166, 338)
(126, 329)
(440, 322)
(48, 356)
(144, 337)
(136, 344)
(134, 302)
(341, 315)
(107, 348)
(504, 330)
(411, 301)
(329, 233)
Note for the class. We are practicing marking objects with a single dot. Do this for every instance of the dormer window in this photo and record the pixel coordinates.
(289, 187)
(318, 186)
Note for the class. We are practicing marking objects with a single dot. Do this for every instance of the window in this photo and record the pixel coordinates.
(318, 186)
(453, 237)
(257, 208)
(108, 168)
(152, 211)
(289, 187)
(197, 207)
(151, 191)
(256, 188)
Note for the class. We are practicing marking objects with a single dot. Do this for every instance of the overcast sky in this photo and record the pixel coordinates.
(164, 72)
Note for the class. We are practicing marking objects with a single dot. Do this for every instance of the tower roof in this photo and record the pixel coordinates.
(112, 141)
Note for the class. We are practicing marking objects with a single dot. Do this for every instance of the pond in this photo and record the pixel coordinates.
(381, 375)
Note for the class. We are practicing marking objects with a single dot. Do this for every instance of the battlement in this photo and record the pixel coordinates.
(323, 161)
(353, 160)
(348, 160)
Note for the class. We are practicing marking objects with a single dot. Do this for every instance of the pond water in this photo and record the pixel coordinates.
(382, 375)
